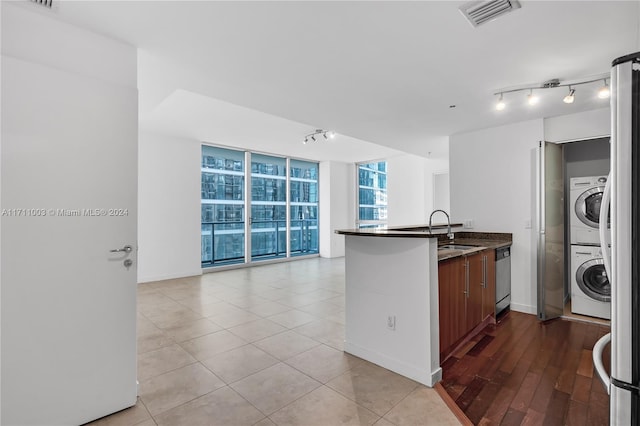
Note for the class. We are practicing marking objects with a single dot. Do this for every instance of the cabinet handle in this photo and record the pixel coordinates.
(466, 278)
(484, 272)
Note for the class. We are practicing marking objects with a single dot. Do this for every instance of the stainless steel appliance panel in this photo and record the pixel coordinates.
(503, 279)
(624, 383)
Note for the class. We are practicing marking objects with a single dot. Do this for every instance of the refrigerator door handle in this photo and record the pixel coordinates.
(604, 214)
(598, 348)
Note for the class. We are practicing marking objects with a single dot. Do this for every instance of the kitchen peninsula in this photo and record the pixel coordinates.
(392, 294)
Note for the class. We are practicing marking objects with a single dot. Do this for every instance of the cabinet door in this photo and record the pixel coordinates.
(451, 297)
(489, 290)
(475, 287)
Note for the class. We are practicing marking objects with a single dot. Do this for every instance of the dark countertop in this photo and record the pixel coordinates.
(414, 231)
(479, 240)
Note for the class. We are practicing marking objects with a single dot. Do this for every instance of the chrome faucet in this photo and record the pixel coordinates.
(449, 233)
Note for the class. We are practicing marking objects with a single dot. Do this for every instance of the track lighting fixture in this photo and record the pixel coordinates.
(604, 91)
(570, 97)
(532, 99)
(326, 134)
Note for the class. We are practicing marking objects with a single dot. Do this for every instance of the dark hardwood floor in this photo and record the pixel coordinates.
(524, 372)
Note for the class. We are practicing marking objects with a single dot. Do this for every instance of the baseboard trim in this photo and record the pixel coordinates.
(525, 309)
(149, 279)
(415, 373)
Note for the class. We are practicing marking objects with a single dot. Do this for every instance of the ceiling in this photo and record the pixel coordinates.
(382, 72)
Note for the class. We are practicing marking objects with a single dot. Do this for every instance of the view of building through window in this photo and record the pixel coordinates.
(372, 194)
(223, 227)
(304, 207)
(268, 206)
(271, 233)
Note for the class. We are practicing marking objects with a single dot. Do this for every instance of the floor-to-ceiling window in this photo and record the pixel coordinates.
(282, 202)
(268, 207)
(223, 204)
(372, 194)
(304, 207)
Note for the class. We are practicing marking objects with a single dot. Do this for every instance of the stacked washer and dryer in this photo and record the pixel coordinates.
(590, 288)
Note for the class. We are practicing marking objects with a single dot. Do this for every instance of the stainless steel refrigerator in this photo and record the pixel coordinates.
(623, 189)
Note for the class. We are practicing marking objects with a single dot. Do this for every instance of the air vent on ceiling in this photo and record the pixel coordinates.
(45, 3)
(480, 12)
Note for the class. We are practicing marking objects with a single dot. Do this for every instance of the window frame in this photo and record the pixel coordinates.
(371, 223)
(247, 204)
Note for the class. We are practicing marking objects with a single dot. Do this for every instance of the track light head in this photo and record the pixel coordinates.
(500, 105)
(532, 99)
(332, 135)
(313, 138)
(325, 136)
(604, 91)
(570, 97)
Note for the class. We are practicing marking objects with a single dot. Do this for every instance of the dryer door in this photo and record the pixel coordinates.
(592, 279)
(587, 206)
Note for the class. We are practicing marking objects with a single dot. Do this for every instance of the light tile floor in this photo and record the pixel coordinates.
(262, 346)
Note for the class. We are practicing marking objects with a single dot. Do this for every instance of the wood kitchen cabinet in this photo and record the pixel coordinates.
(475, 271)
(451, 298)
(489, 289)
(467, 289)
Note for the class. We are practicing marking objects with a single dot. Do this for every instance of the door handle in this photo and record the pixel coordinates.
(125, 249)
(597, 360)
(602, 227)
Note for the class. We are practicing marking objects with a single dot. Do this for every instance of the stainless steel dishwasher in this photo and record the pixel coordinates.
(503, 279)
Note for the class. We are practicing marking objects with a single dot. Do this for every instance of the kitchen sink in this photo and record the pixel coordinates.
(455, 247)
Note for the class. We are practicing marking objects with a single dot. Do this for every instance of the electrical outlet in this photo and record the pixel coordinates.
(468, 224)
(391, 322)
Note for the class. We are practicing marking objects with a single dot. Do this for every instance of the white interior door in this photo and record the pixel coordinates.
(69, 182)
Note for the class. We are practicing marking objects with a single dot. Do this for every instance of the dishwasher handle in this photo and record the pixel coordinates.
(503, 253)
(598, 348)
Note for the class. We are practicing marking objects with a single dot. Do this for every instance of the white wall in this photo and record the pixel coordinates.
(441, 199)
(582, 125)
(168, 207)
(101, 58)
(406, 189)
(492, 182)
(337, 205)
(410, 189)
(432, 167)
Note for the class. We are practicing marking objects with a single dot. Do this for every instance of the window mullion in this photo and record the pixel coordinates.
(288, 206)
(247, 207)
